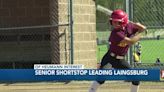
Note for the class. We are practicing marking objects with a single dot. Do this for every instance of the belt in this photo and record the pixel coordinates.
(116, 56)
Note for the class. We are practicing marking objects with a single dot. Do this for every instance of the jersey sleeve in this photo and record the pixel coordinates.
(116, 37)
(135, 30)
(120, 36)
(132, 27)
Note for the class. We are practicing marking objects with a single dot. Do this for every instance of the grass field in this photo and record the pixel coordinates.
(151, 49)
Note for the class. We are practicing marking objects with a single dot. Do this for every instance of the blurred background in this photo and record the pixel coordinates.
(74, 32)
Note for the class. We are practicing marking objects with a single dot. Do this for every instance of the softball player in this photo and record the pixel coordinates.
(123, 35)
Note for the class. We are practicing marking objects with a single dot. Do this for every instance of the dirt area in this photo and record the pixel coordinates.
(78, 86)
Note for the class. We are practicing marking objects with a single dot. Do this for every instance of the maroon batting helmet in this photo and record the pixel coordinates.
(120, 16)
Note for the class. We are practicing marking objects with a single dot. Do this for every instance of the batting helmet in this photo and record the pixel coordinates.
(120, 16)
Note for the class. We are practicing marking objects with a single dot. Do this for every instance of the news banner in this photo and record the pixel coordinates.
(52, 72)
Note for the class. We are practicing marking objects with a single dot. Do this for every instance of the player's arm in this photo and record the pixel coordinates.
(141, 28)
(132, 40)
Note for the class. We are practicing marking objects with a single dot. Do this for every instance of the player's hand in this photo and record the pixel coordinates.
(139, 26)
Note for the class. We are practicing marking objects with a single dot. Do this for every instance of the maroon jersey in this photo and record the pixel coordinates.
(116, 36)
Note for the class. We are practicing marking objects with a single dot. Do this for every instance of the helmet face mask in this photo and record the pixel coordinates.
(119, 16)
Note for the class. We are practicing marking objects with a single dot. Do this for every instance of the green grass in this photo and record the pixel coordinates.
(151, 49)
(101, 50)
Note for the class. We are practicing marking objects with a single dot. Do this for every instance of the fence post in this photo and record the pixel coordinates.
(127, 11)
(71, 31)
(130, 51)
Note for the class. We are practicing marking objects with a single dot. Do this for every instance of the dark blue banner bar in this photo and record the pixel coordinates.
(80, 74)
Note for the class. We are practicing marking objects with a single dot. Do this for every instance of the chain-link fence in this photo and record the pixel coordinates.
(34, 33)
(150, 14)
(149, 51)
